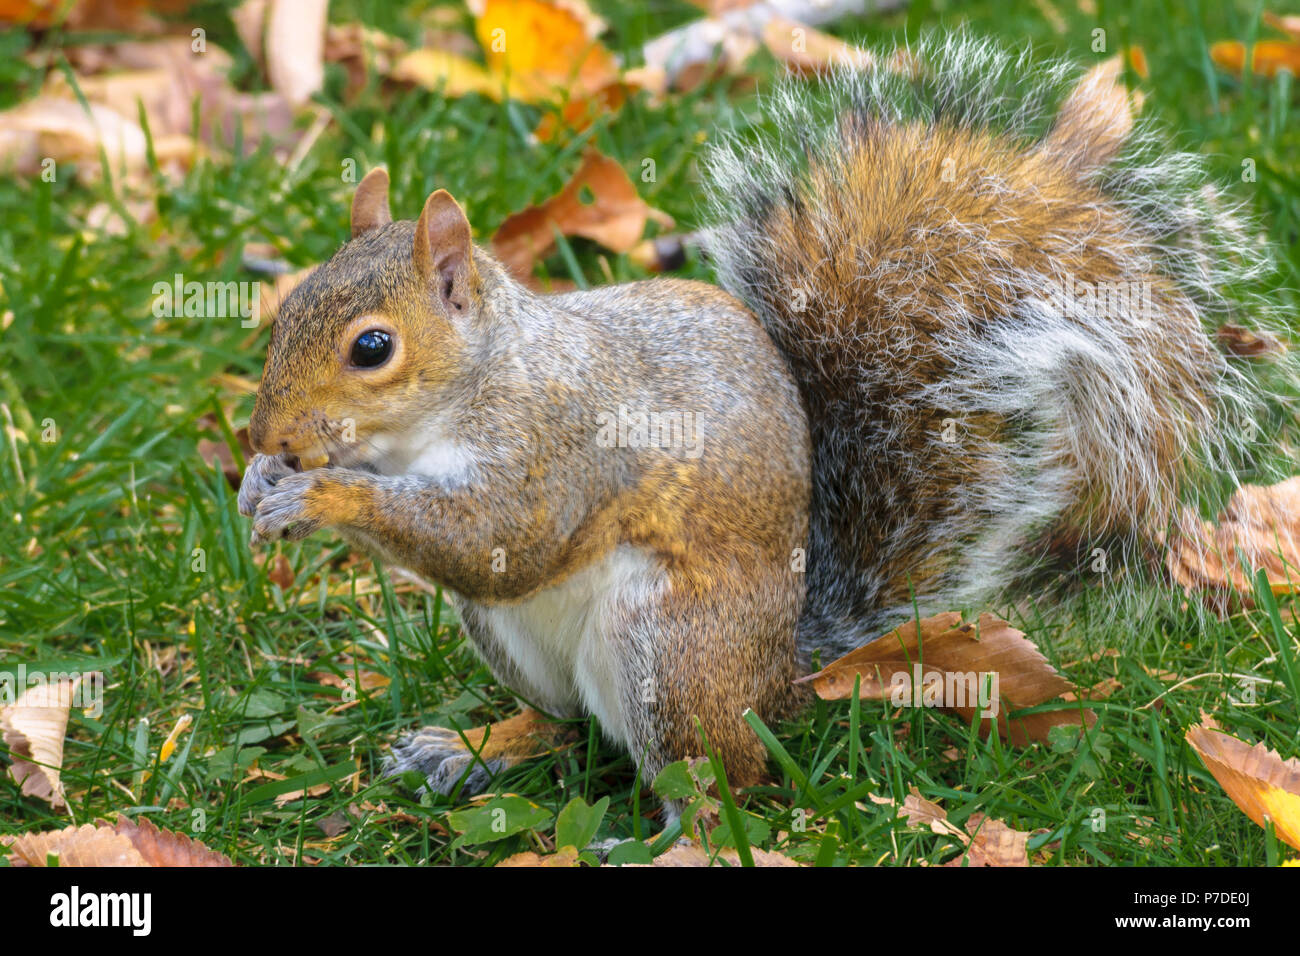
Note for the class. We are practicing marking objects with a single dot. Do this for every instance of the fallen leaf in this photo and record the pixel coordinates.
(1248, 343)
(1260, 525)
(34, 727)
(985, 841)
(1267, 56)
(129, 843)
(615, 216)
(993, 843)
(957, 656)
(281, 573)
(1257, 780)
(160, 847)
(547, 48)
(362, 51)
(86, 845)
(692, 854)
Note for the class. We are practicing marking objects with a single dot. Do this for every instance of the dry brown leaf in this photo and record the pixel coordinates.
(34, 728)
(985, 841)
(616, 216)
(361, 51)
(158, 847)
(364, 680)
(993, 843)
(1262, 523)
(129, 843)
(1267, 56)
(281, 573)
(1248, 343)
(312, 792)
(1260, 782)
(953, 650)
(166, 76)
(86, 845)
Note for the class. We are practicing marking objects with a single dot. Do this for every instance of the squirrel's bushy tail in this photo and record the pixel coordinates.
(998, 296)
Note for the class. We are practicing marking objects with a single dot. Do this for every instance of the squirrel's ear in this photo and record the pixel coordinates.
(370, 203)
(443, 251)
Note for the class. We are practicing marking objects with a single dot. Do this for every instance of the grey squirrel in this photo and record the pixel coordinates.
(960, 328)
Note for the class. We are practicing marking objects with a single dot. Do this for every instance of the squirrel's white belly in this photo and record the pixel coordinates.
(563, 639)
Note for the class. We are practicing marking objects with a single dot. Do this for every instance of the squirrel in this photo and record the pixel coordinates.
(958, 331)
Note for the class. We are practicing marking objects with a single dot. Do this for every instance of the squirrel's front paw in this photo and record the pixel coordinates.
(261, 475)
(440, 756)
(296, 506)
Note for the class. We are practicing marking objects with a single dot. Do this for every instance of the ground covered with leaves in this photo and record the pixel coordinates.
(248, 699)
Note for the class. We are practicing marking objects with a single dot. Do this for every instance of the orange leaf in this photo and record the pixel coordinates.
(545, 47)
(615, 217)
(1261, 783)
(1267, 56)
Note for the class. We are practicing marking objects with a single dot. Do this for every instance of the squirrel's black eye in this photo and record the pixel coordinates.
(372, 348)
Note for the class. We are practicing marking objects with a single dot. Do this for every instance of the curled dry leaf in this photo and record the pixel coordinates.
(1260, 782)
(34, 728)
(616, 216)
(1260, 525)
(952, 660)
(986, 841)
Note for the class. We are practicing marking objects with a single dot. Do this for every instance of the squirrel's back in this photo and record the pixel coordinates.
(996, 312)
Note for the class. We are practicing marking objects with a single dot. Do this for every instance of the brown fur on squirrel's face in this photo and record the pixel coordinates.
(342, 355)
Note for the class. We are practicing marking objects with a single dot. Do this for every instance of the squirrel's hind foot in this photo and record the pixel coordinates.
(444, 757)
(441, 757)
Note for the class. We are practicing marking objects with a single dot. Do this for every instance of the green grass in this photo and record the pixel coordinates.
(99, 527)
